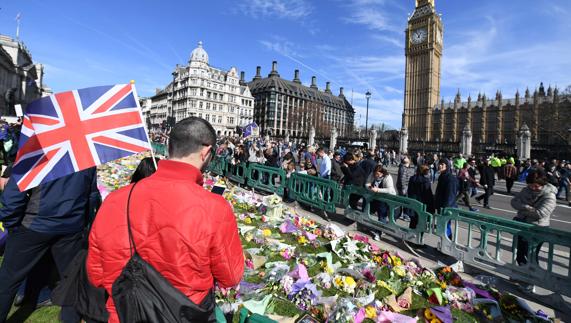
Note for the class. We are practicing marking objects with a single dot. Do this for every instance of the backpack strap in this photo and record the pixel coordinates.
(132, 246)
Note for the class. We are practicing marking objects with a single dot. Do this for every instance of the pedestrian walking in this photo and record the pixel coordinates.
(465, 182)
(487, 180)
(510, 174)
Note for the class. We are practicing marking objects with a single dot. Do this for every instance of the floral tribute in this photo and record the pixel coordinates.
(295, 267)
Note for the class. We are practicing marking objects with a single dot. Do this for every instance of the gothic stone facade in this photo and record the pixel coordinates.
(495, 122)
(284, 107)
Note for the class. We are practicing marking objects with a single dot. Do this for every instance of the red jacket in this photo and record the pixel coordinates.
(185, 232)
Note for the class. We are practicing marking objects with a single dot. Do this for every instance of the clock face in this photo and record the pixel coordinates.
(418, 35)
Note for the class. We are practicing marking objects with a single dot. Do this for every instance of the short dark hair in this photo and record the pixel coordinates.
(536, 176)
(348, 157)
(189, 136)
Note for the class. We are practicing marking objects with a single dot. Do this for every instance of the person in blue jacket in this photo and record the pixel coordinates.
(48, 218)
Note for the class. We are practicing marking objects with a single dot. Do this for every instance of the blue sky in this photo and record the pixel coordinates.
(357, 44)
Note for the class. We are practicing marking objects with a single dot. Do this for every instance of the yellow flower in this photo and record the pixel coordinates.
(399, 271)
(443, 285)
(428, 314)
(370, 312)
(248, 220)
(267, 232)
(396, 261)
(338, 281)
(302, 240)
(349, 281)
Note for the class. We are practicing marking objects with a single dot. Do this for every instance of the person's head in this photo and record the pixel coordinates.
(378, 171)
(443, 165)
(192, 141)
(321, 152)
(465, 166)
(405, 160)
(536, 179)
(145, 169)
(472, 162)
(349, 159)
(337, 156)
(423, 170)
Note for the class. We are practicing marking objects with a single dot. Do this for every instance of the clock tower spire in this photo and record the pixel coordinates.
(423, 51)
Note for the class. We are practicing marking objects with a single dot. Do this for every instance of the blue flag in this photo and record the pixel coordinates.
(251, 130)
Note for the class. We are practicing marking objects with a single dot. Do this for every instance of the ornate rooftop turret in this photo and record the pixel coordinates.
(541, 89)
(199, 54)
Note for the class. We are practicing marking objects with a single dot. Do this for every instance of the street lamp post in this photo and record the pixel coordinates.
(368, 96)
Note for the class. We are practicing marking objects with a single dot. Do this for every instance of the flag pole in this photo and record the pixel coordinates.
(144, 124)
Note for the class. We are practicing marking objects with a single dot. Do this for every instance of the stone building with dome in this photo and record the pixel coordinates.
(287, 107)
(199, 89)
(493, 124)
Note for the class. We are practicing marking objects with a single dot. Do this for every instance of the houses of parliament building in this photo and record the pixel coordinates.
(494, 122)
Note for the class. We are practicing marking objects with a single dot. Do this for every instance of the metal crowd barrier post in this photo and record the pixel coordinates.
(266, 178)
(491, 243)
(237, 173)
(218, 166)
(159, 149)
(317, 192)
(393, 204)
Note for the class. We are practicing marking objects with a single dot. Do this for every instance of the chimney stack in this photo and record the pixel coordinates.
(258, 71)
(242, 78)
(341, 94)
(296, 77)
(274, 71)
(327, 87)
(313, 82)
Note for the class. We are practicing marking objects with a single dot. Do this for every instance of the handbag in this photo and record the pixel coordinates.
(142, 294)
(75, 290)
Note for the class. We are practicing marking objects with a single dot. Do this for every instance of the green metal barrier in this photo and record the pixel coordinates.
(159, 149)
(266, 178)
(491, 243)
(218, 166)
(237, 173)
(393, 204)
(317, 192)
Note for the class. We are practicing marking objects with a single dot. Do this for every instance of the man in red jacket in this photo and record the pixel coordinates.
(186, 233)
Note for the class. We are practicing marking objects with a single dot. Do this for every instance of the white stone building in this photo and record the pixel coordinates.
(21, 80)
(220, 97)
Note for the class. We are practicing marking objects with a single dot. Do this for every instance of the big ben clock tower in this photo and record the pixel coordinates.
(423, 53)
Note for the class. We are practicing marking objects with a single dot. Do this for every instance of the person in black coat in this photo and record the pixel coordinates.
(420, 189)
(446, 190)
(353, 175)
(487, 180)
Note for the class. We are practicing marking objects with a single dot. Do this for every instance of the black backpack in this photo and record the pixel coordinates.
(142, 294)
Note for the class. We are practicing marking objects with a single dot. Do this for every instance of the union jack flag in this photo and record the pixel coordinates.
(75, 130)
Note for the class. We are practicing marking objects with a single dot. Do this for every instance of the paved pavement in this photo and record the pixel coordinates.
(500, 203)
